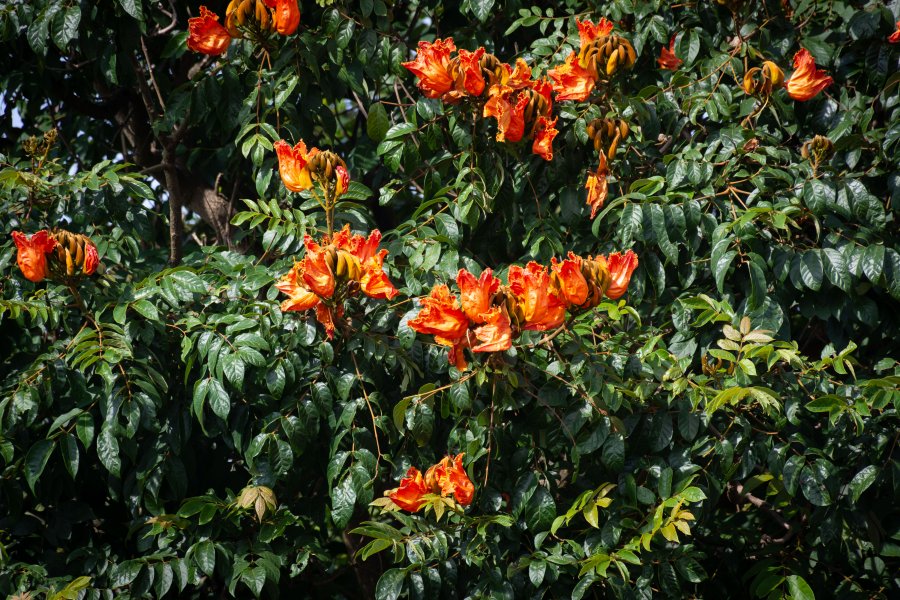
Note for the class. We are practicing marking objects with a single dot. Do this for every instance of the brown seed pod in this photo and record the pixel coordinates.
(606, 55)
(492, 69)
(607, 134)
(68, 258)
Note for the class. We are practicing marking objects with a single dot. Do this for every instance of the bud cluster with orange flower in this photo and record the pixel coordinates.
(444, 485)
(58, 254)
(333, 270)
(600, 56)
(489, 315)
(804, 84)
(253, 19)
(521, 105)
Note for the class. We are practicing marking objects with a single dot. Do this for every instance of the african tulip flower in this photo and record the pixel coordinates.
(541, 309)
(571, 81)
(206, 35)
(299, 296)
(293, 165)
(569, 281)
(431, 66)
(32, 253)
(598, 186)
(374, 283)
(621, 266)
(469, 79)
(495, 334)
(342, 181)
(317, 273)
(545, 131)
(409, 495)
(91, 259)
(450, 479)
(286, 15)
(667, 59)
(510, 117)
(441, 317)
(588, 32)
(475, 294)
(763, 80)
(806, 81)
(894, 38)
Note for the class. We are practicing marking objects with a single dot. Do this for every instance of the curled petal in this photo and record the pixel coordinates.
(286, 16)
(598, 186)
(325, 316)
(496, 334)
(317, 274)
(894, 38)
(520, 76)
(431, 66)
(293, 165)
(206, 35)
(570, 282)
(807, 80)
(299, 296)
(409, 495)
(543, 138)
(571, 81)
(667, 59)
(621, 266)
(342, 182)
(91, 259)
(374, 283)
(588, 32)
(541, 308)
(475, 294)
(440, 316)
(470, 78)
(32, 253)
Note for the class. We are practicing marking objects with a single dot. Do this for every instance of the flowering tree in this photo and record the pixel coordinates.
(620, 278)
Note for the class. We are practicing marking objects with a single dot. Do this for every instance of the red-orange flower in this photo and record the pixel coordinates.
(667, 59)
(510, 117)
(441, 317)
(409, 495)
(541, 308)
(475, 294)
(520, 76)
(299, 296)
(206, 35)
(342, 181)
(621, 266)
(569, 281)
(91, 259)
(471, 80)
(571, 81)
(597, 186)
(450, 478)
(894, 38)
(496, 333)
(32, 253)
(293, 165)
(317, 275)
(543, 138)
(431, 67)
(806, 81)
(286, 16)
(588, 32)
(374, 283)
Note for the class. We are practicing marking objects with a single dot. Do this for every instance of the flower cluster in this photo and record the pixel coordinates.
(59, 254)
(255, 19)
(440, 486)
(521, 105)
(300, 167)
(489, 315)
(600, 55)
(804, 84)
(334, 270)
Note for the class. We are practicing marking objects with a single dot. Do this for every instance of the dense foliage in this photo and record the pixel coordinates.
(727, 428)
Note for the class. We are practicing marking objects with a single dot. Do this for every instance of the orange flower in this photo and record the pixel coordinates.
(299, 296)
(293, 165)
(441, 317)
(543, 138)
(520, 76)
(471, 80)
(597, 186)
(342, 182)
(448, 479)
(496, 334)
(374, 283)
(32, 254)
(431, 67)
(541, 308)
(510, 118)
(667, 59)
(409, 495)
(206, 35)
(91, 259)
(286, 16)
(588, 32)
(325, 316)
(621, 266)
(571, 81)
(569, 280)
(806, 81)
(317, 274)
(894, 38)
(475, 294)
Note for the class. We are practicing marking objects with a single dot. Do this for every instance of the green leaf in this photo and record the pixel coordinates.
(36, 459)
(873, 262)
(218, 399)
(133, 8)
(481, 8)
(343, 499)
(108, 450)
(378, 122)
(799, 589)
(390, 584)
(399, 130)
(205, 556)
(811, 270)
(613, 456)
(861, 482)
(68, 446)
(65, 26)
